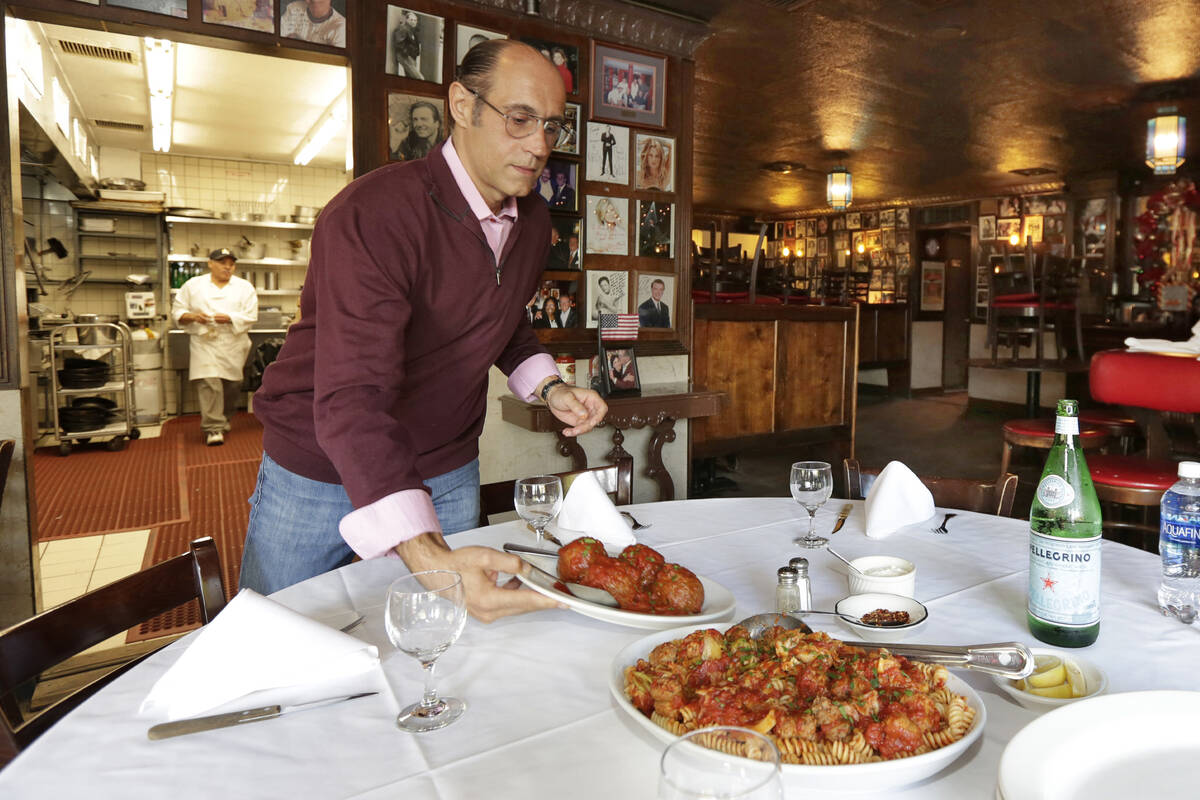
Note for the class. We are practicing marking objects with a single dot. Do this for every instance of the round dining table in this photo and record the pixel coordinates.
(540, 720)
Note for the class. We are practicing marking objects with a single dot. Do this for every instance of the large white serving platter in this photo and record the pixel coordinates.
(841, 777)
(1135, 744)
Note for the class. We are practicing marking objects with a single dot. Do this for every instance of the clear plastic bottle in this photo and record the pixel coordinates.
(1179, 541)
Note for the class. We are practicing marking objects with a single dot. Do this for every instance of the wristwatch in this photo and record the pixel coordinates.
(550, 384)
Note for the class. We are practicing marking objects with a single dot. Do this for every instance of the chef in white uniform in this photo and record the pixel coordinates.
(217, 310)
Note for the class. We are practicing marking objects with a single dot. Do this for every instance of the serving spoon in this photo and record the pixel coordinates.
(588, 594)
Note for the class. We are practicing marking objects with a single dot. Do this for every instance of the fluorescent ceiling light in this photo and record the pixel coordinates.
(160, 79)
(62, 107)
(332, 120)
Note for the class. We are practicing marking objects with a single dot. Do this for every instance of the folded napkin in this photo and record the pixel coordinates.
(897, 498)
(1189, 347)
(257, 653)
(587, 510)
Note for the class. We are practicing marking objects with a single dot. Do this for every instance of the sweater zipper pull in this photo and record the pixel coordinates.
(497, 274)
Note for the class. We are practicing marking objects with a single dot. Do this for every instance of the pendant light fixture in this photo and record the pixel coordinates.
(1166, 140)
(839, 189)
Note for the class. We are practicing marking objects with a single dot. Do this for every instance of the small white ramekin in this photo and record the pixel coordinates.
(905, 584)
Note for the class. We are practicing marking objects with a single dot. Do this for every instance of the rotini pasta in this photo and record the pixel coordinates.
(821, 701)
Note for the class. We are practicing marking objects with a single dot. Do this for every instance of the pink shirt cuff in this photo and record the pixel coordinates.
(374, 530)
(525, 379)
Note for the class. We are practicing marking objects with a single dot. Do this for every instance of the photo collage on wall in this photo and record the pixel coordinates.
(866, 254)
(322, 23)
(1006, 224)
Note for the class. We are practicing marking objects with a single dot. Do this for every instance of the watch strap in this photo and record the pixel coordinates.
(550, 384)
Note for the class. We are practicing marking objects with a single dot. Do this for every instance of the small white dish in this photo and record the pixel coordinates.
(1097, 682)
(904, 582)
(858, 604)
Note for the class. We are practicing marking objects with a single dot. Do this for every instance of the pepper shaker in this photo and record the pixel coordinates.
(787, 592)
(803, 586)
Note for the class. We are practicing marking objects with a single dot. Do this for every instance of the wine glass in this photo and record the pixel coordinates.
(812, 483)
(426, 612)
(538, 500)
(692, 768)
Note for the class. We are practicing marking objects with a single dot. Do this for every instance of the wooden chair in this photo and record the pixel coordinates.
(616, 479)
(1039, 433)
(1024, 309)
(965, 493)
(45, 640)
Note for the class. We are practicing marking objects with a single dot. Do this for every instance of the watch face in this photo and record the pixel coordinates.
(933, 246)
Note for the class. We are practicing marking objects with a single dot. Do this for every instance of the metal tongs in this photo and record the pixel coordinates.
(1006, 659)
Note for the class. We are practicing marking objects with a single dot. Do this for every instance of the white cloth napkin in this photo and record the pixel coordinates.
(1189, 347)
(587, 510)
(257, 653)
(897, 498)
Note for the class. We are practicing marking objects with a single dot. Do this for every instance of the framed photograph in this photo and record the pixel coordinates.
(810, 227)
(823, 246)
(871, 239)
(1054, 230)
(564, 57)
(822, 226)
(628, 86)
(903, 262)
(178, 8)
(295, 22)
(933, 286)
(606, 231)
(656, 229)
(870, 219)
(607, 293)
(554, 305)
(655, 297)
(1008, 207)
(853, 221)
(607, 153)
(841, 240)
(1007, 227)
(901, 243)
(1033, 229)
(619, 374)
(987, 227)
(572, 115)
(557, 185)
(416, 125)
(810, 247)
(466, 37)
(901, 217)
(655, 163)
(1093, 226)
(789, 228)
(887, 238)
(564, 244)
(839, 222)
(779, 230)
(414, 44)
(887, 218)
(843, 258)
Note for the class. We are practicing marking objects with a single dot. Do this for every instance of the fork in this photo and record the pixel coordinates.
(637, 526)
(942, 528)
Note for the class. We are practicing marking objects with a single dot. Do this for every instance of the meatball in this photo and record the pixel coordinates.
(646, 560)
(620, 580)
(576, 556)
(676, 590)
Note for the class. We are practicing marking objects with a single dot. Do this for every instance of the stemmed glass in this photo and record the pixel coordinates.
(538, 500)
(426, 612)
(690, 770)
(812, 483)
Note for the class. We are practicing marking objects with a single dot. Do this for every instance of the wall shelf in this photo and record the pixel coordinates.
(261, 262)
(288, 226)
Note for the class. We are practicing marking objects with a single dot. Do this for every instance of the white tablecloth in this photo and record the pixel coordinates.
(540, 721)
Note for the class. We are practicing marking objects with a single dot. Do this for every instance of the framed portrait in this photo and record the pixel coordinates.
(1009, 207)
(779, 230)
(887, 238)
(655, 166)
(1007, 227)
(987, 227)
(572, 115)
(1093, 226)
(607, 153)
(606, 230)
(564, 57)
(1032, 229)
(467, 36)
(842, 258)
(853, 221)
(607, 293)
(1054, 230)
(858, 239)
(810, 227)
(822, 226)
(656, 229)
(841, 240)
(416, 125)
(554, 305)
(872, 239)
(901, 217)
(619, 373)
(903, 262)
(823, 246)
(655, 297)
(901, 243)
(810, 247)
(870, 219)
(564, 244)
(839, 223)
(296, 23)
(628, 86)
(933, 286)
(415, 41)
(887, 218)
(789, 228)
(557, 185)
(178, 8)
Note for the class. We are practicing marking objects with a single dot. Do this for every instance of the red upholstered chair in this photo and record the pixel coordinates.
(1131, 481)
(1119, 424)
(1039, 433)
(1031, 303)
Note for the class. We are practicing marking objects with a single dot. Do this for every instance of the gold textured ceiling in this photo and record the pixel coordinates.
(928, 97)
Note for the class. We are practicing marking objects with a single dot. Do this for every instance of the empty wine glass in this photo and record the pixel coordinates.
(693, 767)
(426, 612)
(538, 500)
(812, 483)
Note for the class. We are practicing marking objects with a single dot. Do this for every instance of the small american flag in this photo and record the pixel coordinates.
(618, 326)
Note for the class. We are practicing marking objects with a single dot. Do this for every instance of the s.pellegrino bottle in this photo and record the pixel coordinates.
(1179, 542)
(1064, 542)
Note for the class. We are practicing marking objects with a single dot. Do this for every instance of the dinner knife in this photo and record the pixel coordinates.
(181, 727)
(841, 520)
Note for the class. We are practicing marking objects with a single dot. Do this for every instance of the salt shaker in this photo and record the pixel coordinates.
(787, 592)
(804, 588)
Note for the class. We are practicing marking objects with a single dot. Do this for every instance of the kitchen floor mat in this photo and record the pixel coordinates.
(242, 443)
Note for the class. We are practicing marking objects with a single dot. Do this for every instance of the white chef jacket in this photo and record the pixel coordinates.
(217, 351)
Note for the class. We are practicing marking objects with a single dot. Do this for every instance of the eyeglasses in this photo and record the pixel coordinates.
(519, 125)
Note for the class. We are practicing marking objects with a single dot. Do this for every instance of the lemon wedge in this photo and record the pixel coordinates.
(1076, 679)
(1049, 671)
(1058, 690)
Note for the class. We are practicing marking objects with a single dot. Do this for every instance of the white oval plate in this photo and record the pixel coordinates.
(719, 605)
(841, 777)
(1133, 744)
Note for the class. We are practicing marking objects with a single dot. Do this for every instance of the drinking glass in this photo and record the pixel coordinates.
(812, 483)
(690, 770)
(426, 612)
(538, 500)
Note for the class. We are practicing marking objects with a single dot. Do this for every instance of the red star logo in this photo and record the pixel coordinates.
(1049, 584)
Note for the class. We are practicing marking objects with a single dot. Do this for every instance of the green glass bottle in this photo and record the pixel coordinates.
(1064, 542)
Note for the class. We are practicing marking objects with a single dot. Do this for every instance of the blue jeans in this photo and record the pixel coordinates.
(293, 531)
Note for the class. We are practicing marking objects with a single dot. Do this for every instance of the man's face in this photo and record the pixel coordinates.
(565, 302)
(221, 270)
(573, 242)
(500, 165)
(604, 285)
(423, 123)
(561, 179)
(546, 174)
(410, 19)
(656, 290)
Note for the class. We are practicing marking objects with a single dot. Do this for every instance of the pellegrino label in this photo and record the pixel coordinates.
(1180, 532)
(1067, 425)
(1055, 492)
(1064, 580)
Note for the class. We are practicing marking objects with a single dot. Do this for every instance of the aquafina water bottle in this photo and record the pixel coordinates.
(1179, 542)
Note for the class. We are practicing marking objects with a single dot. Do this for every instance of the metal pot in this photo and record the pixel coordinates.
(300, 249)
(253, 251)
(97, 335)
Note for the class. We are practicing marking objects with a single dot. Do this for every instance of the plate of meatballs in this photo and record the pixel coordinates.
(652, 593)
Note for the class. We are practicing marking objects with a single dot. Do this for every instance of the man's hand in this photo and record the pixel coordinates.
(582, 408)
(479, 568)
(192, 316)
(224, 319)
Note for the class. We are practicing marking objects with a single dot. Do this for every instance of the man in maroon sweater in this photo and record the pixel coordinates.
(372, 412)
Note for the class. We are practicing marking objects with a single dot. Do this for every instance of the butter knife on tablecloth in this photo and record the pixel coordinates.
(166, 730)
(841, 520)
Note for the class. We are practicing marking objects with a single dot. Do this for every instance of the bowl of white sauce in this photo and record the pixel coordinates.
(887, 574)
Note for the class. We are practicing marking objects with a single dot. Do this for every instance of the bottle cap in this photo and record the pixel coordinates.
(1189, 469)
(800, 564)
(787, 574)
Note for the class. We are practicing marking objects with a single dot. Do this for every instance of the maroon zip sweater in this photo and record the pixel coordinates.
(383, 380)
